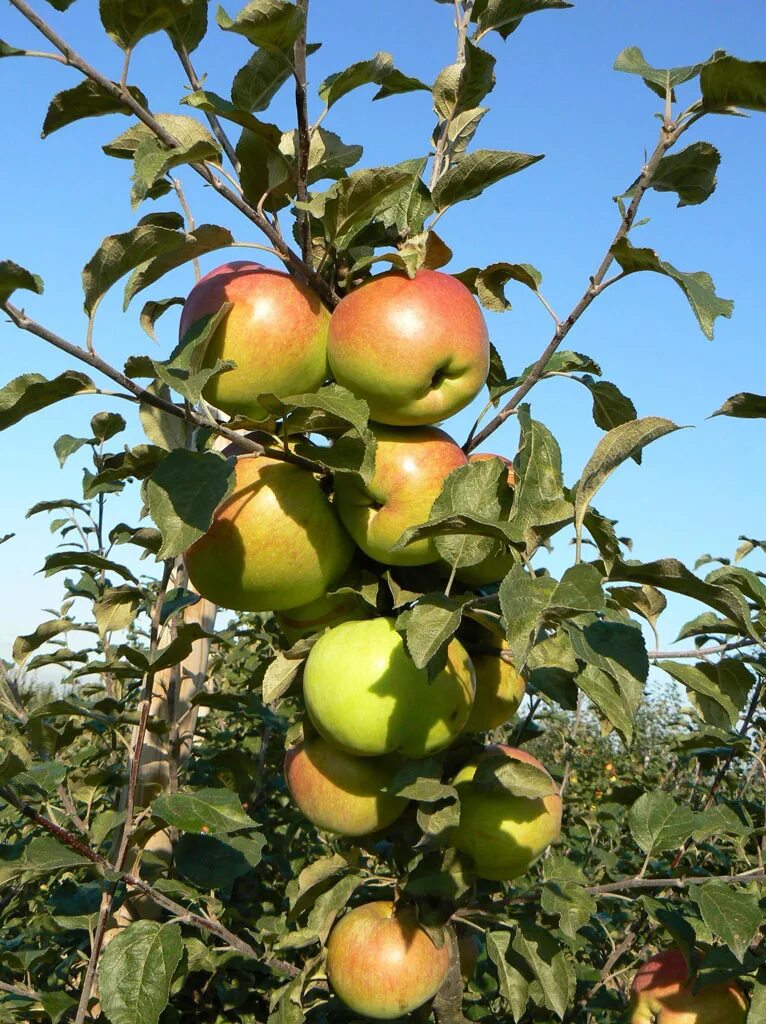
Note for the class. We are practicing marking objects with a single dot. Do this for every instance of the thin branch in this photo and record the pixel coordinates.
(304, 134)
(25, 323)
(17, 990)
(628, 884)
(290, 258)
(596, 285)
(704, 652)
(213, 121)
(441, 158)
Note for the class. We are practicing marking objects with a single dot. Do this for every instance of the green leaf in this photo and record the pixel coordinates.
(349, 205)
(106, 425)
(632, 61)
(379, 70)
(497, 773)
(745, 406)
(329, 156)
(14, 759)
(189, 25)
(211, 862)
(489, 284)
(727, 683)
(183, 494)
(136, 970)
(658, 823)
(564, 894)
(24, 645)
(127, 22)
(116, 608)
(420, 781)
(44, 855)
(477, 171)
(429, 627)
(670, 574)
(62, 560)
(188, 246)
(6, 50)
(88, 99)
(256, 84)
(619, 444)
(610, 407)
(153, 159)
(529, 601)
(514, 987)
(548, 964)
(540, 507)
(733, 914)
(462, 86)
(646, 601)
(153, 310)
(478, 490)
(691, 174)
(272, 24)
(505, 16)
(729, 82)
(31, 392)
(13, 276)
(58, 503)
(698, 287)
(215, 811)
(279, 676)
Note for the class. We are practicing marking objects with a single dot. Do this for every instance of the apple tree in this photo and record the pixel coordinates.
(330, 739)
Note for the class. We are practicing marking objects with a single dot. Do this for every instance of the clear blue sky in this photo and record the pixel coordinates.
(556, 94)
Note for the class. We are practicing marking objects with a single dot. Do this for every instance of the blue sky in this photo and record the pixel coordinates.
(556, 94)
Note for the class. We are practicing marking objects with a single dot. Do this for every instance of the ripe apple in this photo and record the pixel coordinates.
(497, 565)
(503, 834)
(381, 964)
(499, 687)
(410, 468)
(416, 350)
(330, 610)
(276, 333)
(662, 994)
(274, 543)
(364, 694)
(339, 792)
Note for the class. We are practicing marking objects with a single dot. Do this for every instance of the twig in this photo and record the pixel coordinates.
(291, 259)
(17, 990)
(628, 884)
(303, 145)
(213, 121)
(597, 284)
(189, 917)
(703, 652)
(441, 153)
(25, 323)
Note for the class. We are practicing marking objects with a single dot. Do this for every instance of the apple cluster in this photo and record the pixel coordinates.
(417, 351)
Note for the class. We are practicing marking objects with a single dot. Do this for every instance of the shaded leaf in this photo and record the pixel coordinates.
(744, 405)
(88, 99)
(136, 970)
(729, 82)
(272, 24)
(505, 16)
(31, 392)
(12, 277)
(477, 171)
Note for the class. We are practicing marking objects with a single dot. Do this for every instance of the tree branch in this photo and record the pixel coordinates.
(668, 138)
(25, 323)
(441, 154)
(303, 146)
(703, 652)
(215, 125)
(291, 259)
(628, 884)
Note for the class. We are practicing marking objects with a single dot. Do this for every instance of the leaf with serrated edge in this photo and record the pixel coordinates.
(136, 970)
(214, 811)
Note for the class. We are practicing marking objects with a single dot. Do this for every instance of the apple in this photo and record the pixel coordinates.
(503, 834)
(276, 333)
(411, 466)
(381, 964)
(663, 994)
(499, 687)
(340, 792)
(416, 350)
(274, 543)
(364, 694)
(329, 610)
(494, 567)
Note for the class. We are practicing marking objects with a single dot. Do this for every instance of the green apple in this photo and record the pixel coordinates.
(274, 543)
(364, 694)
(503, 834)
(411, 466)
(340, 792)
(496, 566)
(416, 350)
(662, 993)
(329, 610)
(381, 964)
(276, 333)
(499, 687)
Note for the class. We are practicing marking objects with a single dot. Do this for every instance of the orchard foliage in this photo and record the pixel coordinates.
(153, 865)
